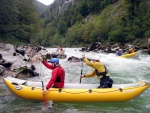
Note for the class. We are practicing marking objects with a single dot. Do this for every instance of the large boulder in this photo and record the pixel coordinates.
(95, 46)
(2, 69)
(74, 59)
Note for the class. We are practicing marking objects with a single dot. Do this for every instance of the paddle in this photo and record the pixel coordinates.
(81, 71)
(44, 98)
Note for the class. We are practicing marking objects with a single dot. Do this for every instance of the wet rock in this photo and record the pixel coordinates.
(56, 55)
(2, 69)
(26, 73)
(84, 49)
(74, 59)
(95, 46)
(19, 63)
(6, 64)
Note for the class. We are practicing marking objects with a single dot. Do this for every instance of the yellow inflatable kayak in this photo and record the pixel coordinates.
(131, 55)
(76, 92)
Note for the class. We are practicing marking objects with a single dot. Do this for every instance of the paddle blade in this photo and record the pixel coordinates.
(49, 108)
(44, 99)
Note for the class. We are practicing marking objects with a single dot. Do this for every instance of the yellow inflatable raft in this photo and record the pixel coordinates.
(131, 55)
(76, 92)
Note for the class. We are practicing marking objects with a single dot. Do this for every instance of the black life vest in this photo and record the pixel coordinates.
(101, 73)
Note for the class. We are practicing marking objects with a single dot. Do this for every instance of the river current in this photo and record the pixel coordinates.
(121, 70)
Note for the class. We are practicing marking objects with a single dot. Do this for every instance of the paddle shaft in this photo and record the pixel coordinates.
(44, 98)
(81, 71)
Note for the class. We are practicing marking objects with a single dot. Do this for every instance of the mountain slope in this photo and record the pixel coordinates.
(40, 6)
(86, 21)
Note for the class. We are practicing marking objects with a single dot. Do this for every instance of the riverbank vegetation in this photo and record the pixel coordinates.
(77, 23)
(19, 22)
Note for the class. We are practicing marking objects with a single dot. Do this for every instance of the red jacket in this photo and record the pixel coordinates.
(58, 76)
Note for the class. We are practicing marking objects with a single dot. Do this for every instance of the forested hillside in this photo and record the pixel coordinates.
(87, 21)
(19, 21)
(75, 22)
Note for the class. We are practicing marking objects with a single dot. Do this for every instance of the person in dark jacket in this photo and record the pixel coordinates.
(58, 74)
(100, 71)
(119, 52)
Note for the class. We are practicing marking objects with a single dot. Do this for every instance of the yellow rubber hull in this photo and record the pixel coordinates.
(130, 55)
(77, 95)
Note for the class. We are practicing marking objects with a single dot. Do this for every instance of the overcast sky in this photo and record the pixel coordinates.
(46, 2)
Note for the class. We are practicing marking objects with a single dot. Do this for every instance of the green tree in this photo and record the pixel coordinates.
(8, 19)
(28, 20)
(117, 35)
(62, 27)
(84, 9)
(19, 20)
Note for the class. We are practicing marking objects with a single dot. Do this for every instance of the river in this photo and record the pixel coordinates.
(121, 70)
